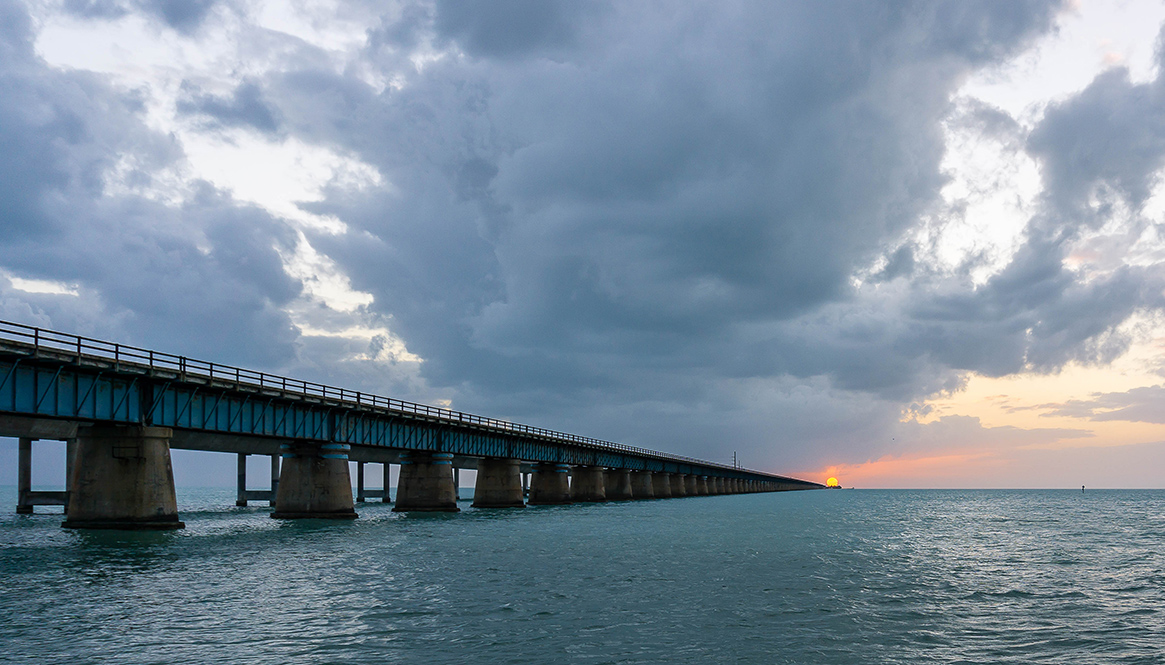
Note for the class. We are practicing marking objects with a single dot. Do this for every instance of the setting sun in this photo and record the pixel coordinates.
(832, 482)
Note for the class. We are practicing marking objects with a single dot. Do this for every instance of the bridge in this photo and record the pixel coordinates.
(121, 409)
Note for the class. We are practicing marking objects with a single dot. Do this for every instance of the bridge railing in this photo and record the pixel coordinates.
(42, 340)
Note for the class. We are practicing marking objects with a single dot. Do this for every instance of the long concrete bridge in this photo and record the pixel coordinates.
(120, 409)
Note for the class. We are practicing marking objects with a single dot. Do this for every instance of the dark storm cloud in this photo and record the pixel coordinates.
(1112, 133)
(204, 279)
(658, 205)
(182, 15)
(513, 28)
(244, 107)
(185, 16)
(635, 221)
(665, 191)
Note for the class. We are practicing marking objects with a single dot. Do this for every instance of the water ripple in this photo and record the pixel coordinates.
(849, 577)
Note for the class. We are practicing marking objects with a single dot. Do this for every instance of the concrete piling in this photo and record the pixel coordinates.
(274, 479)
(314, 482)
(123, 479)
(499, 484)
(241, 480)
(24, 476)
(691, 485)
(550, 484)
(360, 482)
(661, 485)
(702, 486)
(641, 485)
(588, 484)
(619, 487)
(678, 486)
(426, 483)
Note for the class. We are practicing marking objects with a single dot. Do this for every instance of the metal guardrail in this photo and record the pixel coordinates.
(41, 339)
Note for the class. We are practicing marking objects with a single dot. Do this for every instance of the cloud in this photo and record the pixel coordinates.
(1145, 405)
(701, 227)
(244, 107)
(514, 28)
(202, 278)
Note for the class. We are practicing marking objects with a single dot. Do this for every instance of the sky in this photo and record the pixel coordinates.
(913, 244)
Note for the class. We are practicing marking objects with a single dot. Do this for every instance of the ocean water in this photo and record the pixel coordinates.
(847, 576)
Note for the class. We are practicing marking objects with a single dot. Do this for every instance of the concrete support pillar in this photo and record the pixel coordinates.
(360, 482)
(589, 484)
(457, 483)
(691, 485)
(314, 482)
(274, 480)
(426, 484)
(678, 486)
(123, 480)
(702, 486)
(720, 488)
(387, 481)
(661, 485)
(499, 484)
(24, 476)
(619, 485)
(241, 481)
(641, 485)
(70, 468)
(550, 484)
(525, 484)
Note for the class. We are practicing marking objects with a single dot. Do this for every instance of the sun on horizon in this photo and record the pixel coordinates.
(832, 482)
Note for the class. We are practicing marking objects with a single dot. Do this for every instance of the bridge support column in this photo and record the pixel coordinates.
(619, 485)
(274, 480)
(691, 485)
(661, 485)
(499, 484)
(678, 486)
(426, 484)
(641, 485)
(70, 468)
(24, 476)
(702, 486)
(123, 480)
(588, 485)
(720, 488)
(359, 482)
(241, 481)
(550, 484)
(314, 482)
(363, 494)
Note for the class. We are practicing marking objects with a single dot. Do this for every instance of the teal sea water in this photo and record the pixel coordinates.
(848, 576)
